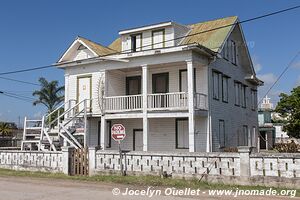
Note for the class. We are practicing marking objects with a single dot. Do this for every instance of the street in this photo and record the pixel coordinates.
(25, 188)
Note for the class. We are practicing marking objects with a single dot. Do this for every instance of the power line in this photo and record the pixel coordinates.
(16, 97)
(19, 81)
(279, 77)
(27, 70)
(181, 37)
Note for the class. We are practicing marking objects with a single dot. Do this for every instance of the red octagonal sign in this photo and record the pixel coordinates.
(118, 132)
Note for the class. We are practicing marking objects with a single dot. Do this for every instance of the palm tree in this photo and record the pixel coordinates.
(4, 128)
(50, 94)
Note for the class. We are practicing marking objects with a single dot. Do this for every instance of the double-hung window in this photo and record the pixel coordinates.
(136, 42)
(230, 52)
(253, 99)
(222, 133)
(158, 39)
(243, 95)
(237, 86)
(225, 88)
(216, 85)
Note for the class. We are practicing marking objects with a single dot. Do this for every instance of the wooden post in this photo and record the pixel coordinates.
(121, 159)
(145, 107)
(258, 143)
(103, 132)
(266, 139)
(190, 77)
(85, 123)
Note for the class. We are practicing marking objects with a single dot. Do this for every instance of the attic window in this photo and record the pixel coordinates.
(81, 47)
(230, 52)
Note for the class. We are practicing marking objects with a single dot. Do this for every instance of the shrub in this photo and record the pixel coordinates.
(290, 147)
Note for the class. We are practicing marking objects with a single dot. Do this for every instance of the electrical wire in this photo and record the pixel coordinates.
(16, 97)
(19, 81)
(280, 76)
(181, 37)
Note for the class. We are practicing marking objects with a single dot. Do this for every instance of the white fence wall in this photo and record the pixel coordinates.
(183, 164)
(31, 160)
(275, 165)
(243, 168)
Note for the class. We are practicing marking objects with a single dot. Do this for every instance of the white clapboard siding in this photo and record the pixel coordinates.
(161, 134)
(223, 111)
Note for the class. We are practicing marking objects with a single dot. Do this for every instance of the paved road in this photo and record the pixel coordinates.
(21, 188)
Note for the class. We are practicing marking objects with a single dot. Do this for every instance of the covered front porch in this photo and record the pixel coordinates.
(163, 134)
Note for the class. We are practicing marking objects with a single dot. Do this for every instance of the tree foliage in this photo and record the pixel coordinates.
(289, 108)
(4, 128)
(50, 94)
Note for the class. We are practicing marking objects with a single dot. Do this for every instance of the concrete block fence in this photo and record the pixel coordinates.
(276, 169)
(31, 160)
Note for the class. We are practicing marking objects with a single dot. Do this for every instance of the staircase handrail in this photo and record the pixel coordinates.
(65, 112)
(59, 107)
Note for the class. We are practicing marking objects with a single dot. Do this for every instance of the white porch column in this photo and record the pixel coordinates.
(145, 105)
(103, 132)
(190, 77)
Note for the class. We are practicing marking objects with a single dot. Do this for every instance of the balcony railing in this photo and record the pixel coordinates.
(161, 101)
(123, 103)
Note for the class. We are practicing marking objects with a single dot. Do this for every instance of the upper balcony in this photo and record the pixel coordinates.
(175, 101)
(166, 89)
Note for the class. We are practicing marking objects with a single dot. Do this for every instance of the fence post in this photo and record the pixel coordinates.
(66, 154)
(244, 152)
(92, 160)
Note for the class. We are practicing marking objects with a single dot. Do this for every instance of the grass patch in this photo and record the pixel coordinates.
(154, 181)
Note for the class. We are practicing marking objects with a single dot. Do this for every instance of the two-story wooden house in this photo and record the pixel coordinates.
(174, 87)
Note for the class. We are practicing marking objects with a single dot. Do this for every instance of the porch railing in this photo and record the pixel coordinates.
(123, 103)
(161, 101)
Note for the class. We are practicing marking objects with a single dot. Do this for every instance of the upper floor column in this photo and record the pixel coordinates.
(190, 77)
(145, 106)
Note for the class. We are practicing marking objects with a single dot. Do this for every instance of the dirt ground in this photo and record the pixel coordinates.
(25, 188)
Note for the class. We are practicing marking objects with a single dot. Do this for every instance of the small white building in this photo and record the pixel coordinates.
(174, 87)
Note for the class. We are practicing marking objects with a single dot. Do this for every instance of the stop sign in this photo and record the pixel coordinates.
(118, 132)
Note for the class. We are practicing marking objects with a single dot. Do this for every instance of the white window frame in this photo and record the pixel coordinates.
(225, 88)
(216, 85)
(222, 133)
(253, 99)
(159, 45)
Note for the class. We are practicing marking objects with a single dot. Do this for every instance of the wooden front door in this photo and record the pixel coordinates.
(137, 139)
(84, 91)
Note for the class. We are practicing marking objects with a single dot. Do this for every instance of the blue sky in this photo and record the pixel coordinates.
(35, 33)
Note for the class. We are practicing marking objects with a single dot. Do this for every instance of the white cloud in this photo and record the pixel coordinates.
(296, 65)
(257, 66)
(268, 78)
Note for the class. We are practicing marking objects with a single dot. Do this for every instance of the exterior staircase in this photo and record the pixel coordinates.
(58, 128)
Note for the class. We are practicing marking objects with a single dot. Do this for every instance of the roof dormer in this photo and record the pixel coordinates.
(153, 36)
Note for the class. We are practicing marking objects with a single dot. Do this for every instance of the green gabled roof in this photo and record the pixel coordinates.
(99, 49)
(116, 45)
(214, 39)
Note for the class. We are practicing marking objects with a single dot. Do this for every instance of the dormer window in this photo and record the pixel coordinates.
(81, 47)
(158, 39)
(136, 42)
